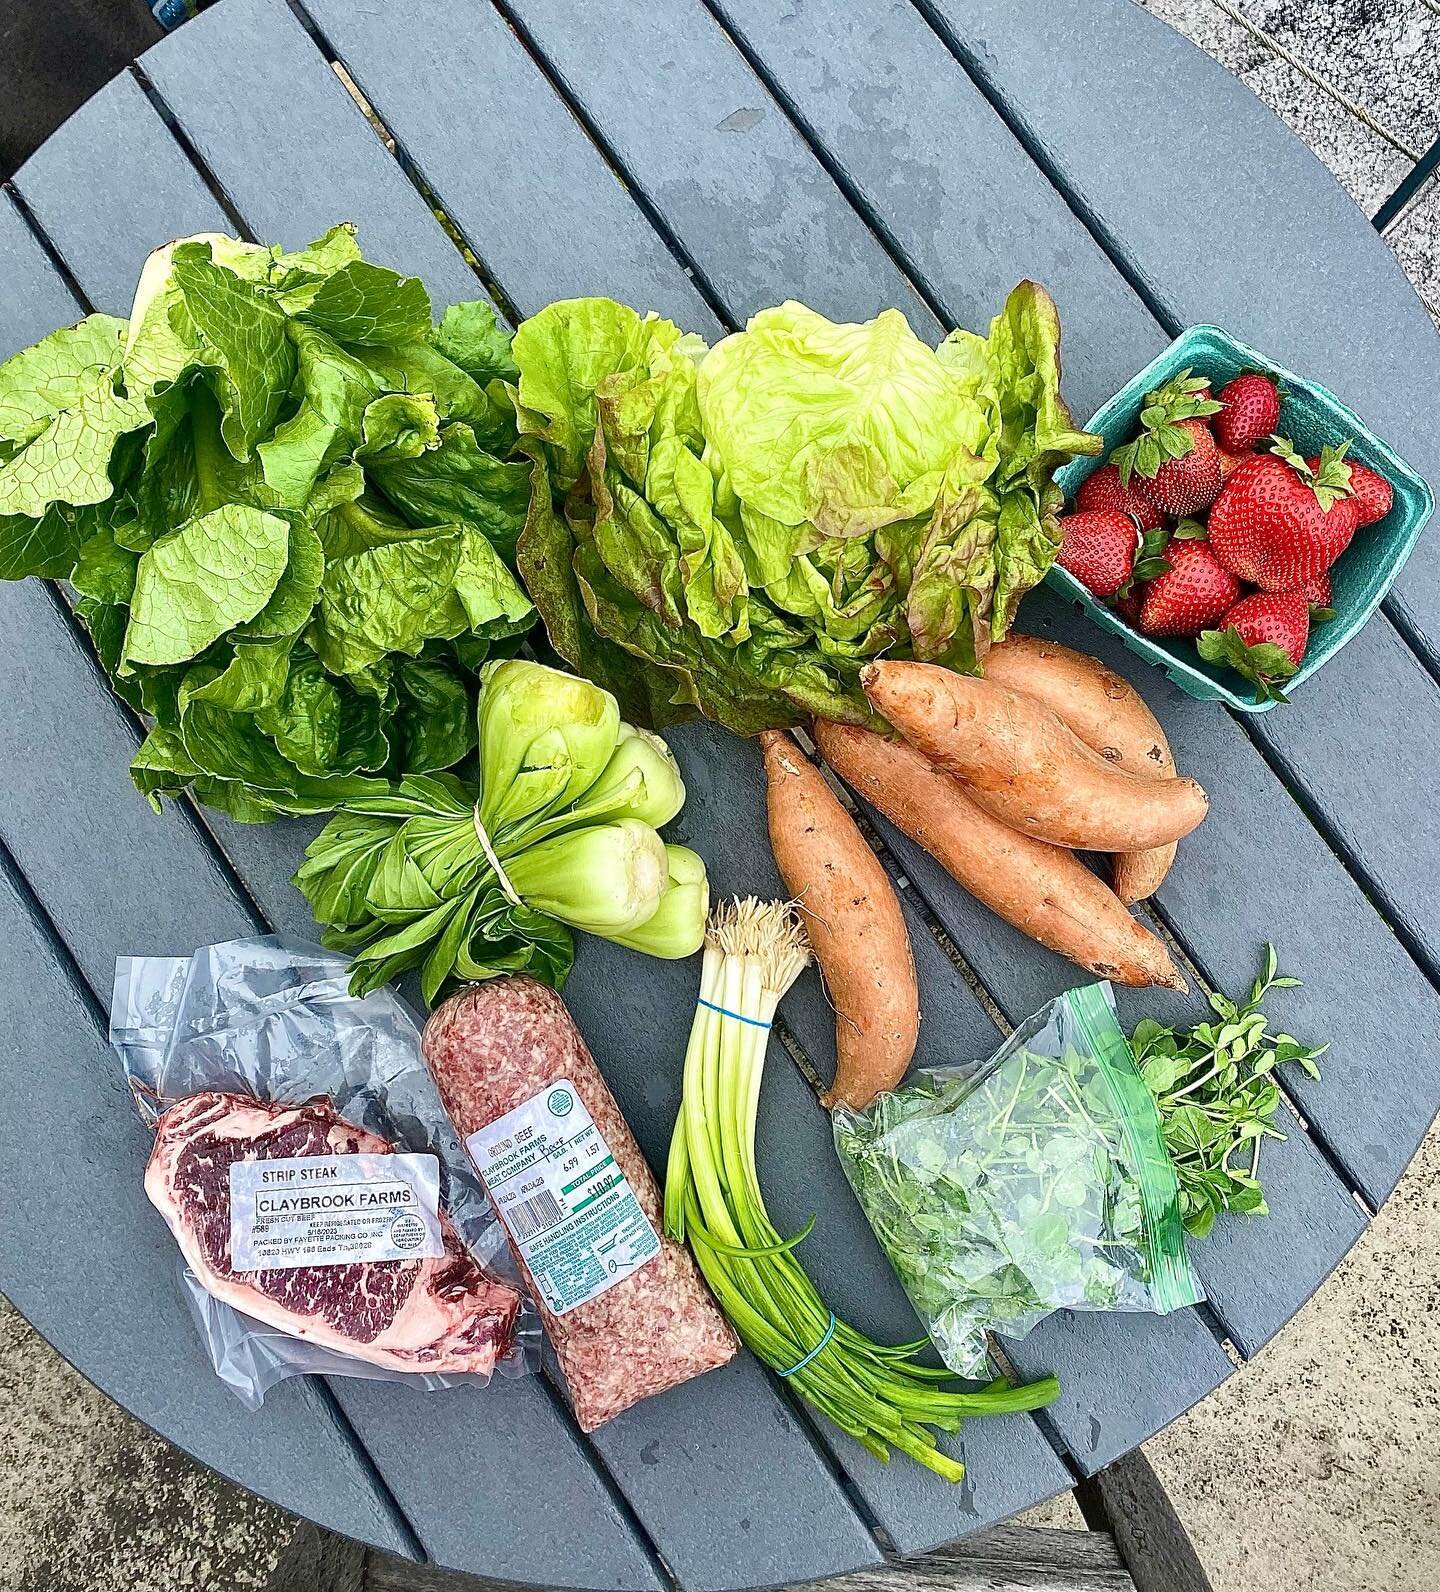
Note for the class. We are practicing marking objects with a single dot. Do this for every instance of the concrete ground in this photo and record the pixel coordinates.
(1314, 1469)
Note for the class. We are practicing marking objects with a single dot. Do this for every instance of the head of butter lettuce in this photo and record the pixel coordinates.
(288, 505)
(735, 531)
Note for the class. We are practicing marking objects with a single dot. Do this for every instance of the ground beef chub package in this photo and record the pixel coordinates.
(624, 1306)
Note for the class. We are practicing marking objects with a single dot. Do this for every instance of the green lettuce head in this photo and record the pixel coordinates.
(735, 532)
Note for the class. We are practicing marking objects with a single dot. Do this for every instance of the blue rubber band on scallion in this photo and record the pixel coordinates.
(801, 1364)
(753, 1021)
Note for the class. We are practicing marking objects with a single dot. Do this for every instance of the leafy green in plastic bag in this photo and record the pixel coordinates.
(1038, 1181)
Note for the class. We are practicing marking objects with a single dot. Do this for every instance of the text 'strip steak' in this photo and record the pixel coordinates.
(498, 1046)
(442, 1316)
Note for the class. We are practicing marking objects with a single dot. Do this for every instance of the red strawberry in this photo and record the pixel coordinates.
(1373, 493)
(1263, 638)
(1175, 456)
(1102, 490)
(1130, 605)
(1249, 412)
(1230, 463)
(1192, 482)
(1317, 592)
(1277, 524)
(1193, 593)
(1098, 548)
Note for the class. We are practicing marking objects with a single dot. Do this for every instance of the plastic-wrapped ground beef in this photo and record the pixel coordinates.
(625, 1307)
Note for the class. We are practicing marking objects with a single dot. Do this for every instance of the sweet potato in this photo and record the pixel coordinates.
(854, 922)
(1018, 760)
(1044, 890)
(1110, 716)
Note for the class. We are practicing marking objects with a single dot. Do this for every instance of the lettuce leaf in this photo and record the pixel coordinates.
(735, 532)
(289, 505)
(213, 573)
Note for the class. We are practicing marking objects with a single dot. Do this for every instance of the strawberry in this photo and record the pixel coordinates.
(1278, 523)
(1191, 483)
(1319, 594)
(1373, 493)
(1175, 454)
(1230, 463)
(1102, 490)
(1249, 412)
(1098, 548)
(1193, 593)
(1263, 638)
(1129, 606)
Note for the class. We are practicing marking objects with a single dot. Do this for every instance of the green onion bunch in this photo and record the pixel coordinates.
(882, 1396)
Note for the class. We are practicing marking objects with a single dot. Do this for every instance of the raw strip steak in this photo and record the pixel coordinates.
(442, 1316)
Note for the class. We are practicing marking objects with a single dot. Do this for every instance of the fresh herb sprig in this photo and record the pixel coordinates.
(1215, 1087)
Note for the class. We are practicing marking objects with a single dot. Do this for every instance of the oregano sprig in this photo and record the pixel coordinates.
(1215, 1088)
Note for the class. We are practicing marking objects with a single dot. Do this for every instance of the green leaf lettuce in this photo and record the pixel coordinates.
(735, 531)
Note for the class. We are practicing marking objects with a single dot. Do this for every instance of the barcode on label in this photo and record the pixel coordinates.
(528, 1217)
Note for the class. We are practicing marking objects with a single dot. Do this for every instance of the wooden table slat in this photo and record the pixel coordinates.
(532, 154)
(717, 157)
(286, 192)
(943, 176)
(105, 230)
(39, 300)
(107, 1294)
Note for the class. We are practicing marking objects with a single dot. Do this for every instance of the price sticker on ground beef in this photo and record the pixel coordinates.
(563, 1198)
(333, 1210)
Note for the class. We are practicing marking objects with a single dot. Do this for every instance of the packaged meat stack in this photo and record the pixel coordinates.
(624, 1306)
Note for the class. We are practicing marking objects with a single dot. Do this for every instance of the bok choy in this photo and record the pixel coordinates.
(561, 834)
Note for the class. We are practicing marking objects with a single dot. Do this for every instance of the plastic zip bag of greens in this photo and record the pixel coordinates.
(1036, 1181)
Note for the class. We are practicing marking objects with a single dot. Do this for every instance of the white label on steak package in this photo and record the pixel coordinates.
(333, 1210)
(563, 1198)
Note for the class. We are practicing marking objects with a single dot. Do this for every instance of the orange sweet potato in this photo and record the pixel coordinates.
(854, 922)
(1019, 760)
(1044, 890)
(1110, 716)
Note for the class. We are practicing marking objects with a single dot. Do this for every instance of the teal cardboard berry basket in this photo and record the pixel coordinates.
(1310, 416)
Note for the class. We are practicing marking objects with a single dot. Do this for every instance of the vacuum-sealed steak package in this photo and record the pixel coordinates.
(326, 1215)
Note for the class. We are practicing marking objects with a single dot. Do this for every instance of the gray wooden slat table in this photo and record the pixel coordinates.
(705, 158)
